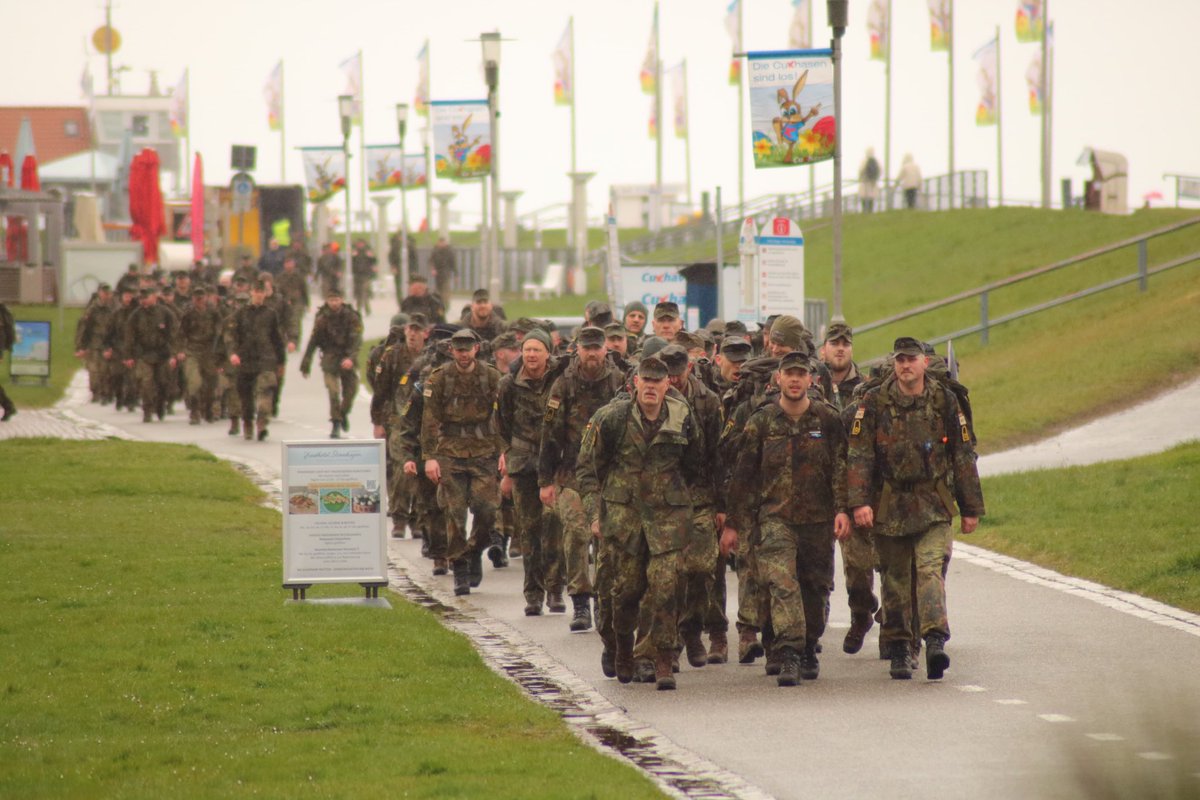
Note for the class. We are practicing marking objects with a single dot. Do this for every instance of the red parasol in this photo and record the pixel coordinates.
(18, 227)
(12, 224)
(198, 209)
(146, 204)
(29, 174)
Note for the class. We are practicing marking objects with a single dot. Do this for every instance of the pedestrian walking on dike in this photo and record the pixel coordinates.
(868, 181)
(909, 180)
(911, 469)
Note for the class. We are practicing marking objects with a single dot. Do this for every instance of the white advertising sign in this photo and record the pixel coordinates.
(334, 512)
(781, 269)
(653, 285)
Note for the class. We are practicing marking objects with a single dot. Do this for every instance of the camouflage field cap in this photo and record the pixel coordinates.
(417, 320)
(689, 340)
(908, 346)
(736, 349)
(463, 339)
(839, 330)
(199, 291)
(735, 327)
(479, 295)
(417, 279)
(652, 345)
(675, 357)
(333, 291)
(104, 287)
(591, 336)
(505, 341)
(666, 310)
(399, 320)
(652, 368)
(795, 360)
(615, 329)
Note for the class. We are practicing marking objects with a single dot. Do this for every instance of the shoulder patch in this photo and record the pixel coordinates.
(403, 379)
(553, 403)
(428, 391)
(856, 428)
(962, 424)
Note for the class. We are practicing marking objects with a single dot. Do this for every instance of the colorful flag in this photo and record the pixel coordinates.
(800, 31)
(421, 96)
(1031, 20)
(384, 167)
(879, 26)
(939, 25)
(87, 85)
(650, 62)
(462, 141)
(1033, 77)
(563, 55)
(352, 70)
(324, 172)
(416, 171)
(273, 94)
(178, 113)
(680, 100)
(733, 24)
(652, 120)
(791, 107)
(986, 58)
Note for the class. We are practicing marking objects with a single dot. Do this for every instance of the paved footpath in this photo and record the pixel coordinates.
(1045, 667)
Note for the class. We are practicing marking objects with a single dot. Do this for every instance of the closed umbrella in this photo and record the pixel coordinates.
(198, 209)
(12, 224)
(146, 204)
(19, 232)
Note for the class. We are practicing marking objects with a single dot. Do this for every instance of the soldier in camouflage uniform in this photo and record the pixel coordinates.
(911, 461)
(641, 468)
(431, 517)
(123, 388)
(337, 330)
(482, 317)
(292, 287)
(519, 412)
(90, 334)
(790, 479)
(461, 451)
(258, 351)
(198, 331)
(8, 338)
(227, 392)
(588, 382)
(391, 386)
(149, 343)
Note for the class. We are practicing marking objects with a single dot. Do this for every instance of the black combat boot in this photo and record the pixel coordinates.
(623, 658)
(901, 669)
(476, 573)
(773, 663)
(789, 667)
(462, 576)
(936, 660)
(697, 656)
(496, 552)
(582, 619)
(859, 625)
(554, 602)
(336, 433)
(608, 663)
(810, 668)
(533, 607)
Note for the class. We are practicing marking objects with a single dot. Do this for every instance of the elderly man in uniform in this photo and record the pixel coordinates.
(911, 462)
(337, 331)
(790, 481)
(666, 322)
(461, 448)
(641, 471)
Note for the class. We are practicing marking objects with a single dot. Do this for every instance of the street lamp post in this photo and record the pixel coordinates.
(402, 126)
(838, 11)
(346, 110)
(491, 70)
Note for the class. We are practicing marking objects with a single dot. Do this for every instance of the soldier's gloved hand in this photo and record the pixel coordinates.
(969, 524)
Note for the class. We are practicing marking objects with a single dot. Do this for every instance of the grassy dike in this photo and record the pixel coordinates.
(146, 651)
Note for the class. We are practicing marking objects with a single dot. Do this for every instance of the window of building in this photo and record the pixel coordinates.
(71, 128)
(140, 125)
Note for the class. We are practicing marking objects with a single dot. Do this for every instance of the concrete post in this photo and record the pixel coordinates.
(510, 218)
(576, 282)
(443, 200)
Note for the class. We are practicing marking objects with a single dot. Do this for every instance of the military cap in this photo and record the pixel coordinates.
(652, 367)
(399, 320)
(839, 330)
(736, 349)
(788, 331)
(652, 345)
(591, 336)
(241, 296)
(523, 325)
(715, 325)
(614, 329)
(463, 339)
(247, 257)
(675, 357)
(908, 346)
(333, 291)
(104, 287)
(666, 310)
(538, 335)
(417, 279)
(263, 275)
(598, 313)
(260, 285)
(689, 340)
(735, 327)
(443, 330)
(480, 294)
(634, 305)
(927, 348)
(149, 291)
(199, 291)
(505, 341)
(417, 319)
(214, 290)
(795, 360)
(242, 279)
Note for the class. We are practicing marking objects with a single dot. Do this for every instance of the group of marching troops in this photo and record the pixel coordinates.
(632, 466)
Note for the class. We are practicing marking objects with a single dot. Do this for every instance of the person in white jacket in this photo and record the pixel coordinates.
(909, 180)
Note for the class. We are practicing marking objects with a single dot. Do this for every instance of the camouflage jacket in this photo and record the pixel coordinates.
(292, 287)
(150, 334)
(840, 394)
(389, 381)
(429, 304)
(198, 332)
(92, 330)
(789, 469)
(641, 487)
(911, 459)
(338, 334)
(707, 408)
(572, 402)
(492, 327)
(254, 337)
(519, 412)
(457, 418)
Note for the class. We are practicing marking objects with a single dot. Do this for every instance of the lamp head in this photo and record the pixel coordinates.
(346, 111)
(838, 12)
(402, 119)
(490, 43)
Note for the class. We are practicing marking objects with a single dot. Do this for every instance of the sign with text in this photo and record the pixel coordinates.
(781, 269)
(654, 284)
(334, 512)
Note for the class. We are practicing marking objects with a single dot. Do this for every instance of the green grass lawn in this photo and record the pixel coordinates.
(1124, 524)
(146, 651)
(63, 362)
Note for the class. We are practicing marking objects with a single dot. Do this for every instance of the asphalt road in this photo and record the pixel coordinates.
(1049, 676)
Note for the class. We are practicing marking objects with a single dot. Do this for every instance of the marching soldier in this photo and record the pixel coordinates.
(149, 339)
(198, 331)
(258, 352)
(337, 331)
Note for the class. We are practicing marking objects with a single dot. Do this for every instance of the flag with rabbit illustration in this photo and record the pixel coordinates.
(791, 107)
(462, 139)
(324, 172)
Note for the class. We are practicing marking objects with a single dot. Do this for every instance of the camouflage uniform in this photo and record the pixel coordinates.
(640, 479)
(489, 329)
(293, 288)
(457, 431)
(90, 336)
(256, 341)
(123, 388)
(574, 398)
(790, 481)
(198, 332)
(911, 460)
(149, 342)
(431, 517)
(519, 412)
(339, 335)
(227, 394)
(390, 386)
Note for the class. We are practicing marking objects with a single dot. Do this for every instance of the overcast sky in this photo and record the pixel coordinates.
(1124, 82)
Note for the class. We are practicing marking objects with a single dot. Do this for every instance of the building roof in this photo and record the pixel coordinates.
(58, 131)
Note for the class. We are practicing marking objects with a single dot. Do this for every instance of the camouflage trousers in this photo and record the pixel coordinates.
(540, 540)
(342, 387)
(152, 384)
(577, 541)
(256, 395)
(99, 381)
(200, 379)
(227, 393)
(753, 601)
(913, 571)
(795, 563)
(402, 489)
(468, 484)
(430, 517)
(858, 567)
(640, 579)
(122, 386)
(701, 558)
